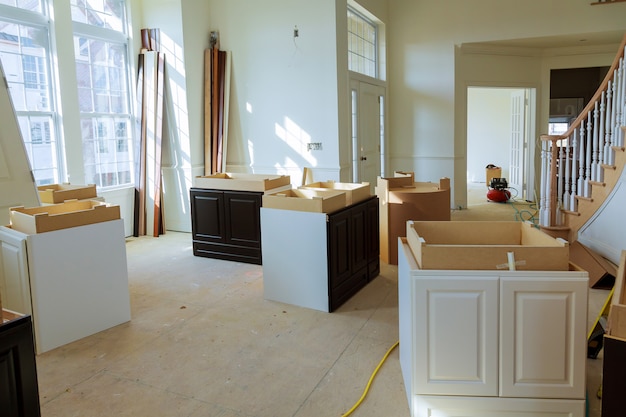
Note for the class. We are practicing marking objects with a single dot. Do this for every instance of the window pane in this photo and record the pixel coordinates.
(101, 13)
(362, 45)
(32, 5)
(25, 57)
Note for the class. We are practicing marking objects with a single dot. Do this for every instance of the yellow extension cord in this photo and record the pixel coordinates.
(355, 406)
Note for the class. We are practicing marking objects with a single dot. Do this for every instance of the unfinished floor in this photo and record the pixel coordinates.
(203, 342)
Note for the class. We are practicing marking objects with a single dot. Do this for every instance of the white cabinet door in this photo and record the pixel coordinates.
(14, 278)
(456, 335)
(543, 336)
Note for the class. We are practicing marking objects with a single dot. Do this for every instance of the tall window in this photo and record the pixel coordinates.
(102, 80)
(101, 51)
(362, 44)
(25, 56)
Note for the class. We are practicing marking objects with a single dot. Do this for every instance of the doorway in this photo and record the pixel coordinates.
(368, 131)
(500, 126)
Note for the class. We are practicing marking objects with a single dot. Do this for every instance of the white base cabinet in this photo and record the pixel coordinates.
(492, 343)
(74, 282)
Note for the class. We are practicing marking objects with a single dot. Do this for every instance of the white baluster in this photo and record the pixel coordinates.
(608, 135)
(593, 176)
(601, 145)
(619, 100)
(575, 187)
(559, 195)
(568, 175)
(580, 187)
(544, 207)
(588, 144)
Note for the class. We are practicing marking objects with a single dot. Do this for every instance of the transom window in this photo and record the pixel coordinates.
(362, 44)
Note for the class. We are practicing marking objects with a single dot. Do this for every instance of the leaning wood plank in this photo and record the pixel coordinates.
(221, 67)
(158, 141)
(214, 107)
(140, 151)
(207, 111)
(226, 111)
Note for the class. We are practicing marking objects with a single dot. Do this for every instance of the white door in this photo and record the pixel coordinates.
(368, 131)
(17, 185)
(543, 343)
(518, 136)
(456, 336)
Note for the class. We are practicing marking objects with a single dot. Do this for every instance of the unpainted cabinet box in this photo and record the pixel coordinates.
(306, 200)
(73, 213)
(480, 245)
(355, 192)
(242, 182)
(58, 193)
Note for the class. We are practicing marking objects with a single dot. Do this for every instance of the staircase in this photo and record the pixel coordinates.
(581, 167)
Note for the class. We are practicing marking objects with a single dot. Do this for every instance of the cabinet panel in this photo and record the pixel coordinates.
(243, 219)
(207, 215)
(456, 325)
(14, 281)
(373, 240)
(339, 240)
(19, 392)
(432, 406)
(542, 343)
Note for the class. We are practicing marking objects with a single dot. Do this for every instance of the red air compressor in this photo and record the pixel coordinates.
(498, 190)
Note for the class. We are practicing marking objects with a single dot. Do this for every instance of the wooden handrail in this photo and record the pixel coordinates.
(596, 97)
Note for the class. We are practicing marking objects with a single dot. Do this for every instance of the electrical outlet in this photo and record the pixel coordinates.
(314, 146)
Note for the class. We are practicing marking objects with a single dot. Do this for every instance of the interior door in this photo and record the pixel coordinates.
(368, 131)
(518, 135)
(17, 185)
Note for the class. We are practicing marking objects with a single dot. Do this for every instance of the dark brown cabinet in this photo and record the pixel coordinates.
(226, 224)
(19, 392)
(353, 246)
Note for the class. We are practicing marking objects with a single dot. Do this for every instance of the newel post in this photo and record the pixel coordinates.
(552, 175)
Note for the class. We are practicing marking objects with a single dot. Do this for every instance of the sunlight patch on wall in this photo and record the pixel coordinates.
(297, 139)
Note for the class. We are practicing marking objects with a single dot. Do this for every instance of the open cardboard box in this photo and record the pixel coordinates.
(479, 245)
(317, 201)
(58, 193)
(71, 213)
(355, 192)
(242, 182)
(402, 199)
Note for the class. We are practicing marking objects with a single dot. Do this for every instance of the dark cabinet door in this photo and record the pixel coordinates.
(226, 224)
(353, 248)
(19, 392)
(243, 219)
(207, 215)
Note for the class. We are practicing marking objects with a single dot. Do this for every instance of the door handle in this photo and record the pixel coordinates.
(364, 158)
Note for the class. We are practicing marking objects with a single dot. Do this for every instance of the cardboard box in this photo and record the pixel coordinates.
(479, 245)
(306, 200)
(401, 199)
(490, 173)
(354, 192)
(58, 193)
(61, 216)
(242, 182)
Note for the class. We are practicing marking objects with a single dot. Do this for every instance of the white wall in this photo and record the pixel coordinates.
(283, 89)
(488, 131)
(427, 89)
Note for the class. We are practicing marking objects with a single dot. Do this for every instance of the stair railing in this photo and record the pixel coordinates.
(573, 162)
